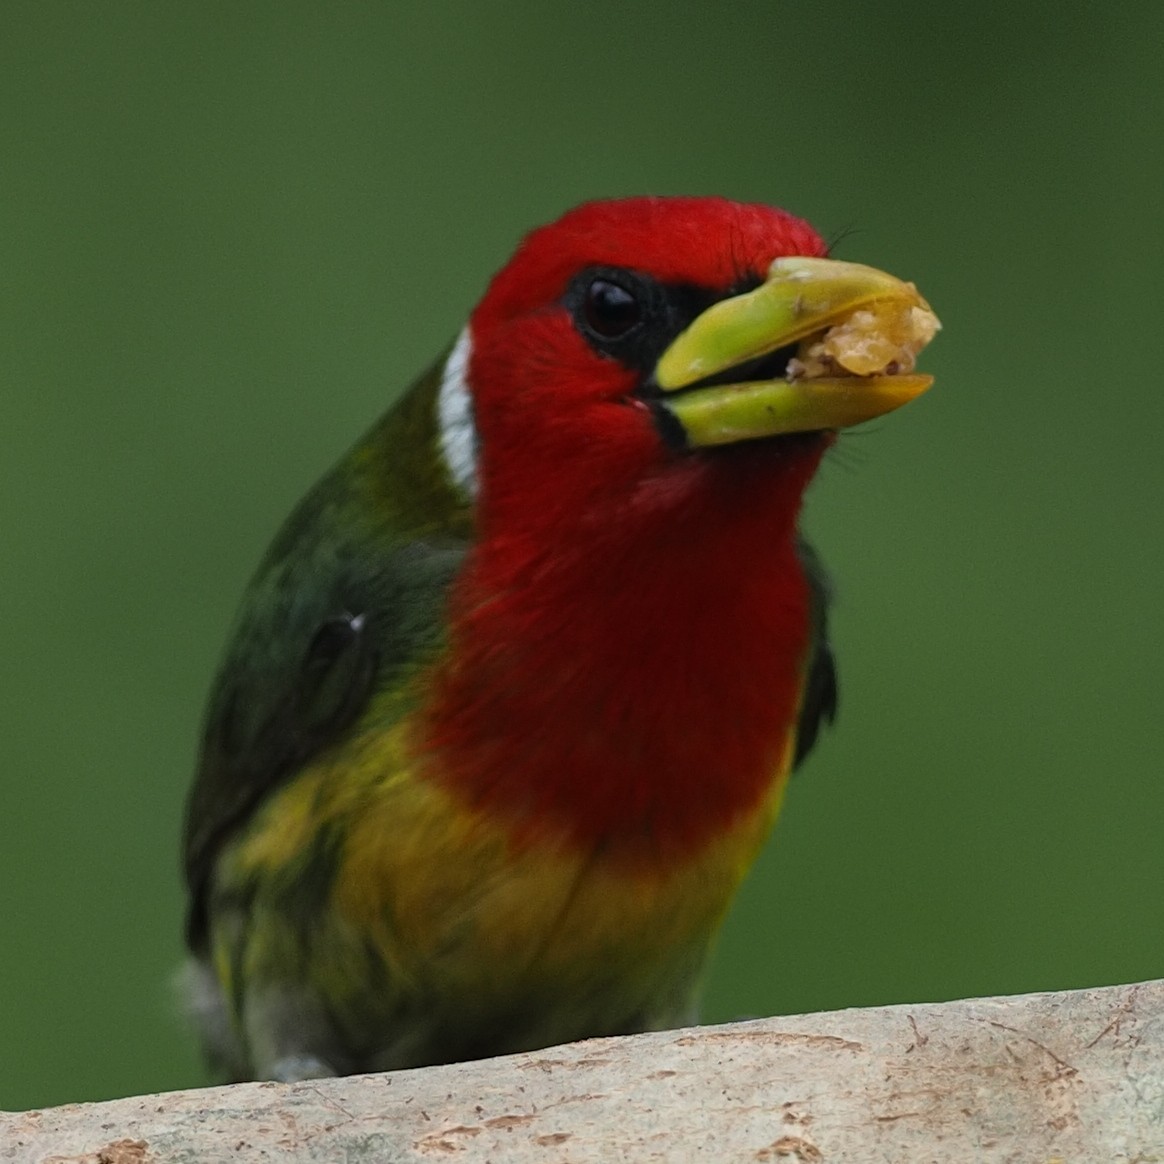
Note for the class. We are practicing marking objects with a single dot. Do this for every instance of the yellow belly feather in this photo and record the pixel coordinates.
(459, 914)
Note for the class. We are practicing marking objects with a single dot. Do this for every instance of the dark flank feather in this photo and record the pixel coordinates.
(819, 705)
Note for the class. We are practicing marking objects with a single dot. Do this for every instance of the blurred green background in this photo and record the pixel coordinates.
(229, 233)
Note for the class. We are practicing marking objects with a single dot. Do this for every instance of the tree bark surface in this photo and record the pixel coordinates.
(1067, 1078)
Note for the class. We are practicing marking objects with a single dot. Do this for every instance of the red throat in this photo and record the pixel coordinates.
(629, 679)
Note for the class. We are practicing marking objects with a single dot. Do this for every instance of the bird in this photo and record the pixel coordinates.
(511, 703)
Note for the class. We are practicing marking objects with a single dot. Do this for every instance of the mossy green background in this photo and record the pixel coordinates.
(230, 232)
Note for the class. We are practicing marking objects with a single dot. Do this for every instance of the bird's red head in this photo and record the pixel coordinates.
(629, 633)
(565, 341)
(585, 674)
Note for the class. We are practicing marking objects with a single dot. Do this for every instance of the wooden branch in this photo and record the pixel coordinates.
(1070, 1077)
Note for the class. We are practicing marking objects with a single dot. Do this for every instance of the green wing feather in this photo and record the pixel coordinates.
(349, 594)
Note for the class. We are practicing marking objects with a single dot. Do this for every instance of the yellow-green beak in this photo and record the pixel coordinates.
(801, 299)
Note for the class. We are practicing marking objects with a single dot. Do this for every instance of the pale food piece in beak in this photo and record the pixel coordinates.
(880, 339)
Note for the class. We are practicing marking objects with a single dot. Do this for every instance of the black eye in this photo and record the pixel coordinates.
(610, 311)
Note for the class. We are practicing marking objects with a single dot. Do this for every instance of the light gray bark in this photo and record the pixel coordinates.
(1072, 1077)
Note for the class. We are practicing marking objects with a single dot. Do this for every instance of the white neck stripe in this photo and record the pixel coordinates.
(458, 432)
